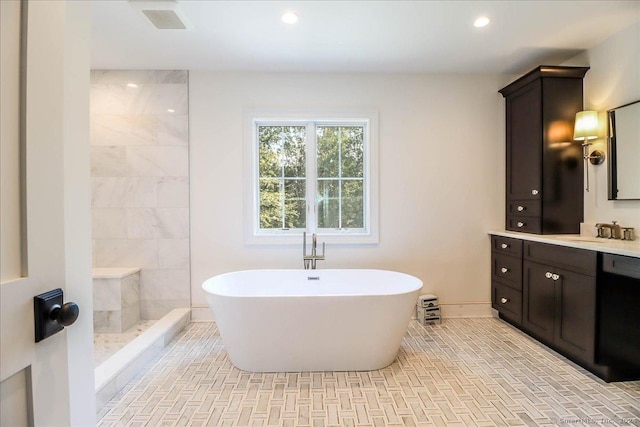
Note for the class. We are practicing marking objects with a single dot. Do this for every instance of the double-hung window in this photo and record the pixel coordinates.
(314, 174)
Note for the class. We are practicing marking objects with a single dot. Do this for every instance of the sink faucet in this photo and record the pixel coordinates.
(615, 231)
(310, 260)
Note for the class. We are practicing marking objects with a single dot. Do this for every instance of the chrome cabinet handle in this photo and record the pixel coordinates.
(520, 224)
(504, 246)
(504, 300)
(520, 208)
(548, 275)
(504, 270)
(555, 276)
(534, 192)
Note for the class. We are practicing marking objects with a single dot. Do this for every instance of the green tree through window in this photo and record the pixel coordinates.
(340, 176)
(338, 180)
(282, 176)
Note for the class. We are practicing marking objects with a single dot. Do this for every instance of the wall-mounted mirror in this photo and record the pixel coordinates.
(624, 152)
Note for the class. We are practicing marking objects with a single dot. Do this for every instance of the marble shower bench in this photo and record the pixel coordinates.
(116, 299)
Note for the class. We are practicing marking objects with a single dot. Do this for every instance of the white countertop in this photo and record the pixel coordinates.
(612, 246)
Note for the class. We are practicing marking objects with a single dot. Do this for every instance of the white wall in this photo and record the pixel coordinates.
(441, 176)
(612, 81)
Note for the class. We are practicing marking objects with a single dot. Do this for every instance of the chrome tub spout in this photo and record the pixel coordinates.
(310, 260)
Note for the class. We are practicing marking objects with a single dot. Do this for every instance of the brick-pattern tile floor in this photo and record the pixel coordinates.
(464, 372)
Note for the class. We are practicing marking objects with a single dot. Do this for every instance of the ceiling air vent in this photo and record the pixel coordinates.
(163, 14)
(164, 19)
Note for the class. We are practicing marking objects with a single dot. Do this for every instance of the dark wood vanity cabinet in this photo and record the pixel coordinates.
(548, 291)
(506, 277)
(559, 298)
(544, 165)
(579, 302)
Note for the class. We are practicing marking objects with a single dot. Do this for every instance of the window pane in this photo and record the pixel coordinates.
(295, 203)
(327, 151)
(293, 153)
(270, 203)
(269, 151)
(278, 193)
(282, 155)
(352, 144)
(352, 204)
(328, 204)
(281, 151)
(340, 156)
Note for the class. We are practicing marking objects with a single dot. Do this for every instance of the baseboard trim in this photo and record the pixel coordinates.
(468, 309)
(201, 314)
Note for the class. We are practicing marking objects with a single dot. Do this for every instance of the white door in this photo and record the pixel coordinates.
(45, 219)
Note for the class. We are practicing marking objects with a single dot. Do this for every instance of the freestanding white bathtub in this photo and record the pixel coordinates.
(312, 320)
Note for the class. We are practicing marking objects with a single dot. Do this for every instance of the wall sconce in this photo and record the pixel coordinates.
(586, 128)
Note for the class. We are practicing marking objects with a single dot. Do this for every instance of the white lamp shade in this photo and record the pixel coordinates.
(586, 126)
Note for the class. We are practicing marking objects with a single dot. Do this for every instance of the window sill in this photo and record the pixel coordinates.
(296, 239)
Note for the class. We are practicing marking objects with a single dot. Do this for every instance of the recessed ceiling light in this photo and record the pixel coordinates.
(480, 22)
(290, 17)
(171, 110)
(132, 85)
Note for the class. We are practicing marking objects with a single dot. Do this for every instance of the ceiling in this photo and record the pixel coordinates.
(356, 36)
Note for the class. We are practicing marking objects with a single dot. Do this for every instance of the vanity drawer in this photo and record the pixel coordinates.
(507, 270)
(525, 224)
(506, 245)
(581, 261)
(621, 265)
(507, 301)
(523, 207)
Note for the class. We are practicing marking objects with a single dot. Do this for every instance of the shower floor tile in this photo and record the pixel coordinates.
(105, 345)
(463, 372)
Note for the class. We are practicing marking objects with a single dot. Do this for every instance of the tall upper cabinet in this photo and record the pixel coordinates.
(544, 164)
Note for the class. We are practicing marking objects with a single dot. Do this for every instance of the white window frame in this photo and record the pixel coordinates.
(251, 191)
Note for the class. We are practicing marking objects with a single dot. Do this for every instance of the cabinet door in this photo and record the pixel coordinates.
(538, 308)
(524, 143)
(575, 316)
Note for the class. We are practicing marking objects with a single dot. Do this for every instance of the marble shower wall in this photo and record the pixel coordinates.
(140, 181)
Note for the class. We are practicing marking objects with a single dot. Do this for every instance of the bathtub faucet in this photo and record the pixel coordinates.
(310, 260)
